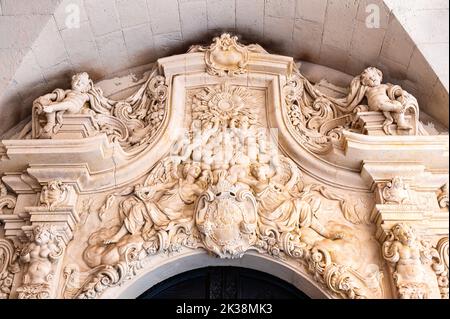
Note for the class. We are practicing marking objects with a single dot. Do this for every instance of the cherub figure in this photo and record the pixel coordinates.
(408, 256)
(40, 255)
(72, 102)
(380, 98)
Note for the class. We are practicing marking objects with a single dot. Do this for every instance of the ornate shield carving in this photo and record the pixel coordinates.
(226, 218)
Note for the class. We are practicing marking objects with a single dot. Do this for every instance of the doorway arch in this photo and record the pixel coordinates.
(162, 267)
(223, 282)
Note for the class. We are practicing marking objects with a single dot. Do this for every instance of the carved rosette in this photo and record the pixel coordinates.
(226, 217)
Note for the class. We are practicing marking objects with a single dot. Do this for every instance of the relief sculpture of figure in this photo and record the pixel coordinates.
(40, 255)
(277, 208)
(153, 208)
(282, 210)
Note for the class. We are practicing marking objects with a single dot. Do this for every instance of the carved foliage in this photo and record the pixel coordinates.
(8, 267)
(396, 192)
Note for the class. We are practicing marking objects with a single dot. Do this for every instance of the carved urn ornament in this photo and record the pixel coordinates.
(224, 155)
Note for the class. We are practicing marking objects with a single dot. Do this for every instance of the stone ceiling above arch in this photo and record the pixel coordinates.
(38, 51)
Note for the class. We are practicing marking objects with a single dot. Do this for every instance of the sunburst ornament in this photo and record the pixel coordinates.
(224, 105)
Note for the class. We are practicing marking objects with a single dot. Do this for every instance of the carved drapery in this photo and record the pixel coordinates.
(256, 168)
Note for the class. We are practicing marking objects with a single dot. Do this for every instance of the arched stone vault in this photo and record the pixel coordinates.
(229, 150)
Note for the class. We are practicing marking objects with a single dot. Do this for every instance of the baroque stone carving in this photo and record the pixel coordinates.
(55, 193)
(227, 219)
(131, 122)
(225, 56)
(225, 190)
(223, 184)
(44, 249)
(396, 192)
(319, 119)
(8, 267)
(409, 258)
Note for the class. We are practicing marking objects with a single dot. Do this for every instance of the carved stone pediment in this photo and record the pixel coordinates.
(231, 151)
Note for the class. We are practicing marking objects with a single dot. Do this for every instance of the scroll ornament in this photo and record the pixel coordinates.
(225, 56)
(443, 196)
(7, 201)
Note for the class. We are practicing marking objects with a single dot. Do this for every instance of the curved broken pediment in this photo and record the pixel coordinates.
(227, 149)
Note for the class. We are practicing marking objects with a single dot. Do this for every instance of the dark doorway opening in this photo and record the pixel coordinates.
(223, 283)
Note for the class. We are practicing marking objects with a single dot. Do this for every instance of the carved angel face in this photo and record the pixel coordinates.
(42, 235)
(81, 82)
(192, 171)
(405, 234)
(371, 77)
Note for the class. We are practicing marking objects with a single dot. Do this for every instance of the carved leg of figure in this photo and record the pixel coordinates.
(402, 124)
(51, 121)
(389, 120)
(114, 239)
